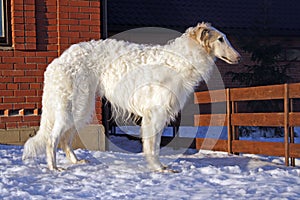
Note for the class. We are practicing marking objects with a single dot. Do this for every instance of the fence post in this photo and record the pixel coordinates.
(292, 133)
(228, 116)
(286, 124)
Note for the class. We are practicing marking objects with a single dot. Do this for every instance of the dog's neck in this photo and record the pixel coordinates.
(195, 54)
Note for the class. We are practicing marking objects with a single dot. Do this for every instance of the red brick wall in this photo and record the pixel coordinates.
(41, 31)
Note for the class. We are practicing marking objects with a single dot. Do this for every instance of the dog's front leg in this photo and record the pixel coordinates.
(152, 127)
(151, 152)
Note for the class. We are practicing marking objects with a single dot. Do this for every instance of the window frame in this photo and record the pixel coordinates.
(6, 39)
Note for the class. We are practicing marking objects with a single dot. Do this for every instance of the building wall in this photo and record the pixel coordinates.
(41, 31)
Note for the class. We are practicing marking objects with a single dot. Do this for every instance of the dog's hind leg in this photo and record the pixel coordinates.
(152, 126)
(59, 129)
(67, 147)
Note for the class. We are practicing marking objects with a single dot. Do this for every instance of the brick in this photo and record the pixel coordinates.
(29, 8)
(2, 125)
(12, 73)
(20, 27)
(31, 118)
(11, 119)
(24, 53)
(52, 47)
(18, 20)
(95, 4)
(18, 32)
(20, 93)
(74, 40)
(50, 59)
(7, 93)
(17, 13)
(84, 28)
(11, 125)
(29, 2)
(30, 46)
(34, 124)
(95, 17)
(13, 59)
(34, 73)
(42, 66)
(36, 59)
(95, 29)
(89, 10)
(18, 2)
(46, 54)
(6, 106)
(89, 36)
(69, 21)
(12, 86)
(30, 39)
(33, 99)
(24, 79)
(89, 22)
(69, 9)
(40, 80)
(24, 106)
(80, 3)
(19, 40)
(24, 86)
(6, 66)
(13, 99)
(6, 79)
(49, 15)
(25, 66)
(6, 53)
(79, 16)
(50, 3)
(3, 86)
(39, 92)
(52, 22)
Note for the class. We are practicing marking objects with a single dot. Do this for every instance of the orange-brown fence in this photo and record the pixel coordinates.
(288, 118)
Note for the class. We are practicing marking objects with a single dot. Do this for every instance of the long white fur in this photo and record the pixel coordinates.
(152, 82)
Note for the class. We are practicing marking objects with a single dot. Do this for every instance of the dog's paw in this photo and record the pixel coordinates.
(83, 161)
(57, 169)
(166, 169)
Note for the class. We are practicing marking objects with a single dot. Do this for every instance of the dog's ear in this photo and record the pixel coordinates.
(204, 32)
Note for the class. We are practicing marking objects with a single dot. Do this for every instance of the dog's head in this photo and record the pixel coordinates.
(214, 42)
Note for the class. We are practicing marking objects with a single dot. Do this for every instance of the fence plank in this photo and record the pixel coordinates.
(294, 90)
(287, 119)
(257, 119)
(295, 150)
(211, 144)
(255, 147)
(294, 119)
(257, 93)
(212, 96)
(210, 120)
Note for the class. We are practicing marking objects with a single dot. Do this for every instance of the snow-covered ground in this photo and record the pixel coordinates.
(123, 175)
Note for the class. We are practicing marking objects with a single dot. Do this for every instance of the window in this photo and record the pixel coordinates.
(5, 23)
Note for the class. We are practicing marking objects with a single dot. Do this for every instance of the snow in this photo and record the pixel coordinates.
(123, 175)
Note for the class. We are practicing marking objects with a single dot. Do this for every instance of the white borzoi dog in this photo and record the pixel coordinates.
(152, 82)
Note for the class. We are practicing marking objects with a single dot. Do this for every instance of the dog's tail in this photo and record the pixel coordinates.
(36, 145)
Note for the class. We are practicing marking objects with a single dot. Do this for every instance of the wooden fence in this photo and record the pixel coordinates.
(288, 118)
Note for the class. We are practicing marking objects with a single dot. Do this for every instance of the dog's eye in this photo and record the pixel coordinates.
(221, 39)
